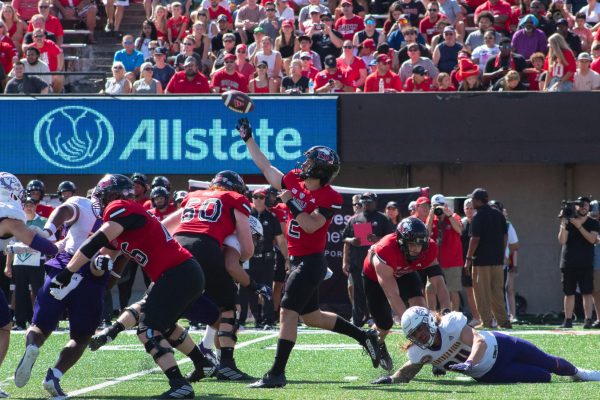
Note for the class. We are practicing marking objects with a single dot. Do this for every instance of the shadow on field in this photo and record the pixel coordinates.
(403, 389)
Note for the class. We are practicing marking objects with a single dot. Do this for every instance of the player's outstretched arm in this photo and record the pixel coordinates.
(23, 234)
(272, 174)
(404, 375)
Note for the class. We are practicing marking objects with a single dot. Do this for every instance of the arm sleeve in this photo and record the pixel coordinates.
(131, 221)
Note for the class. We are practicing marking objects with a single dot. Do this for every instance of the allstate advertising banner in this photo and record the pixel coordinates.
(163, 135)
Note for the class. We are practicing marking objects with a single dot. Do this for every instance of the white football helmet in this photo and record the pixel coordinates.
(413, 319)
(11, 190)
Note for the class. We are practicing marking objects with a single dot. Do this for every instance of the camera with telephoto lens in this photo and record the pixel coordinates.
(438, 210)
(567, 209)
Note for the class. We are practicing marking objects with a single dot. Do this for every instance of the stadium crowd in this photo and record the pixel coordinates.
(305, 46)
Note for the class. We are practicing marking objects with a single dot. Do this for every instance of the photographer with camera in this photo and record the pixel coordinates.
(445, 227)
(577, 235)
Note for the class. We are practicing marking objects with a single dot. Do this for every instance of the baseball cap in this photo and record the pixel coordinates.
(263, 62)
(259, 29)
(262, 191)
(422, 200)
(314, 9)
(584, 56)
(412, 205)
(449, 29)
(160, 50)
(189, 61)
(419, 70)
(222, 17)
(229, 56)
(392, 204)
(368, 197)
(287, 22)
(330, 61)
(305, 54)
(480, 194)
(438, 198)
(383, 58)
(368, 44)
(562, 21)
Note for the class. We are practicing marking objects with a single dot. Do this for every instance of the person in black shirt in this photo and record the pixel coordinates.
(574, 42)
(466, 279)
(489, 234)
(380, 226)
(497, 67)
(22, 84)
(577, 236)
(295, 82)
(327, 40)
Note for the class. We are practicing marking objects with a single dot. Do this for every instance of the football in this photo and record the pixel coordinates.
(237, 101)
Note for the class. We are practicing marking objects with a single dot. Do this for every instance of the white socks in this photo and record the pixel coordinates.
(208, 341)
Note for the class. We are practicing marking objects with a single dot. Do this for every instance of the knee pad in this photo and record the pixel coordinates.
(234, 323)
(179, 341)
(154, 343)
(134, 313)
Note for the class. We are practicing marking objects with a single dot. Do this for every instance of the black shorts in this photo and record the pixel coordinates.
(571, 277)
(409, 286)
(171, 295)
(302, 286)
(430, 272)
(279, 275)
(220, 286)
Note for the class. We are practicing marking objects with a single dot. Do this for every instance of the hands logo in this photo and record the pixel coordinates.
(74, 137)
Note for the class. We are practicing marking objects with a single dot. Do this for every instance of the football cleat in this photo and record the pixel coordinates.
(437, 371)
(269, 381)
(206, 369)
(99, 340)
(371, 346)
(586, 375)
(52, 385)
(385, 361)
(232, 373)
(180, 389)
(383, 380)
(23, 371)
(208, 353)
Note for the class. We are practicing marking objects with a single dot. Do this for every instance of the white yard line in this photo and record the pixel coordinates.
(116, 381)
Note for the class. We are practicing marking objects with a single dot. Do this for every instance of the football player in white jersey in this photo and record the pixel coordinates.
(489, 357)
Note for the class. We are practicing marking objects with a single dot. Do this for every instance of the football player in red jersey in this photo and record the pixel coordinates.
(36, 190)
(311, 203)
(177, 276)
(390, 278)
(140, 187)
(205, 219)
(160, 202)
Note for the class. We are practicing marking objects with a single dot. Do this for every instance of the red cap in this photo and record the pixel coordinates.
(241, 47)
(368, 44)
(262, 191)
(229, 56)
(287, 22)
(346, 2)
(383, 58)
(423, 200)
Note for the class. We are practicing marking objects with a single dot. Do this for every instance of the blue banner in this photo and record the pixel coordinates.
(166, 135)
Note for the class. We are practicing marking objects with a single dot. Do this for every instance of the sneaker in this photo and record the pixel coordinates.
(267, 327)
(52, 385)
(232, 373)
(586, 375)
(3, 394)
(386, 361)
(99, 340)
(206, 369)
(108, 28)
(588, 324)
(383, 380)
(371, 346)
(437, 371)
(23, 371)
(212, 357)
(269, 381)
(596, 325)
(180, 389)
(568, 323)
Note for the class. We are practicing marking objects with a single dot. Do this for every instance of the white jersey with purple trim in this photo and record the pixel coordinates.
(453, 350)
(83, 226)
(12, 210)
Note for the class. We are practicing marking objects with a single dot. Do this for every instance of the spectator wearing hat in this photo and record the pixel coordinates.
(380, 226)
(304, 13)
(585, 78)
(509, 82)
(489, 49)
(391, 80)
(422, 207)
(502, 13)
(401, 37)
(287, 43)
(217, 42)
(415, 58)
(584, 33)
(574, 42)
(410, 39)
(486, 258)
(249, 16)
(307, 69)
(163, 72)
(331, 79)
(284, 11)
(260, 83)
(256, 45)
(507, 60)
(529, 39)
(392, 211)
(370, 32)
(560, 64)
(412, 208)
(412, 10)
(228, 78)
(367, 51)
(468, 76)
(418, 81)
(592, 12)
(353, 67)
(271, 24)
(190, 80)
(242, 64)
(327, 41)
(445, 55)
(349, 23)
(313, 23)
(305, 47)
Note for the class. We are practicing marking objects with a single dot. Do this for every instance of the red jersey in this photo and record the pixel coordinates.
(213, 14)
(427, 27)
(150, 245)
(311, 73)
(180, 84)
(160, 215)
(451, 250)
(7, 52)
(52, 26)
(348, 27)
(500, 8)
(301, 243)
(280, 211)
(323, 77)
(389, 252)
(391, 80)
(49, 53)
(558, 70)
(210, 212)
(174, 25)
(43, 210)
(351, 71)
(225, 81)
(595, 66)
(144, 202)
(424, 86)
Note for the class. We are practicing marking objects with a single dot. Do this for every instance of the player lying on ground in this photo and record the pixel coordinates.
(487, 356)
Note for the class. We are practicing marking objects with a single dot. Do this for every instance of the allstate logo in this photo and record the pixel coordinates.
(73, 137)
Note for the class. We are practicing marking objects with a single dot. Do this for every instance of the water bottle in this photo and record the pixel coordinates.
(311, 86)
(381, 86)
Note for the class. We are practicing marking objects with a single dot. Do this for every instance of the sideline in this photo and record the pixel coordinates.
(136, 375)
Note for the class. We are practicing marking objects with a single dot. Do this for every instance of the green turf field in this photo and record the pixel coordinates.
(323, 366)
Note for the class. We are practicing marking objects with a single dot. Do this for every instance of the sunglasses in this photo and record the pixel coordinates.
(241, 52)
(228, 41)
(262, 66)
(348, 47)
(128, 42)
(189, 44)
(38, 36)
(117, 67)
(202, 15)
(433, 10)
(229, 62)
(258, 197)
(43, 7)
(270, 10)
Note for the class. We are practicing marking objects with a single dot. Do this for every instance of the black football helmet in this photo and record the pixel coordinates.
(33, 185)
(140, 179)
(159, 191)
(229, 180)
(271, 197)
(179, 196)
(412, 230)
(161, 181)
(325, 166)
(65, 186)
(110, 188)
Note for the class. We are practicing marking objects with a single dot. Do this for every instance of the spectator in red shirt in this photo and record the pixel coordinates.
(215, 10)
(418, 81)
(427, 24)
(332, 80)
(468, 76)
(560, 64)
(241, 62)
(534, 75)
(78, 10)
(52, 25)
(349, 23)
(307, 69)
(391, 81)
(444, 83)
(227, 78)
(176, 25)
(15, 27)
(595, 66)
(52, 55)
(7, 53)
(188, 81)
(353, 67)
(502, 13)
(25, 8)
(394, 12)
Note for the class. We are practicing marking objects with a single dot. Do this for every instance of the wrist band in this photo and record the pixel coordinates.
(294, 207)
